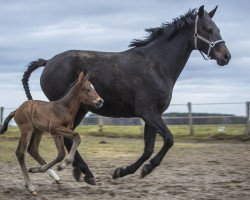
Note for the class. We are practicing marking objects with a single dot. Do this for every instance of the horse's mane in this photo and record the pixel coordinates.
(167, 29)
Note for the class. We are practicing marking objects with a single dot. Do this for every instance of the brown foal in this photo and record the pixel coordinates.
(33, 118)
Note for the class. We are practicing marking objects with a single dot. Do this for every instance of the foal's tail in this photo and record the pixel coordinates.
(6, 122)
(32, 67)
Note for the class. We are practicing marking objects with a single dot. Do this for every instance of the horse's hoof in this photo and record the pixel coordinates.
(77, 173)
(34, 193)
(118, 172)
(146, 170)
(90, 181)
(59, 182)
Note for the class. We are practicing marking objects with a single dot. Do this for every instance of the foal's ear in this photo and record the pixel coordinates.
(211, 13)
(83, 77)
(86, 76)
(201, 12)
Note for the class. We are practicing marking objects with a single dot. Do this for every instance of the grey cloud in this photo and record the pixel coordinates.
(33, 29)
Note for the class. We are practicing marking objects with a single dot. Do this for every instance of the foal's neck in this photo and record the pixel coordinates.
(71, 100)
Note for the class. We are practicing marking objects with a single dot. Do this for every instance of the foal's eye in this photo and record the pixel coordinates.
(86, 90)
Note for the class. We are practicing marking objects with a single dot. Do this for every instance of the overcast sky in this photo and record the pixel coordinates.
(41, 29)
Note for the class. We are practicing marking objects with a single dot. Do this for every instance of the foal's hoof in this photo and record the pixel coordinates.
(147, 169)
(59, 182)
(34, 170)
(63, 165)
(90, 181)
(34, 193)
(118, 172)
(60, 167)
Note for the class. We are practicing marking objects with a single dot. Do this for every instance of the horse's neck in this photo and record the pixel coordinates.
(71, 101)
(173, 53)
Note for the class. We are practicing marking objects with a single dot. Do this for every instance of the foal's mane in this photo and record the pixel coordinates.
(69, 88)
(168, 29)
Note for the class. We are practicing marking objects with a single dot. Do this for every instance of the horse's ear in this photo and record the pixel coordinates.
(201, 12)
(211, 13)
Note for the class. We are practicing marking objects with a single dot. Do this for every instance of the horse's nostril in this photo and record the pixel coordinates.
(227, 56)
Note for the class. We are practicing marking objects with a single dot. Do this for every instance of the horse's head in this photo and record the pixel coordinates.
(87, 93)
(207, 38)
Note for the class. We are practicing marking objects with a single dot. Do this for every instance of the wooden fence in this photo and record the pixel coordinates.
(190, 118)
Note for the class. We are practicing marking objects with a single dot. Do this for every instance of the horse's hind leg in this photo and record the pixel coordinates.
(80, 166)
(20, 153)
(65, 132)
(149, 141)
(61, 154)
(34, 152)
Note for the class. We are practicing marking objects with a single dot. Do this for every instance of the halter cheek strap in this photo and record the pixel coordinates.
(210, 44)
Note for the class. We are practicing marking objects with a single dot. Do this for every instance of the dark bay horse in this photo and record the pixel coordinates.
(137, 82)
(34, 117)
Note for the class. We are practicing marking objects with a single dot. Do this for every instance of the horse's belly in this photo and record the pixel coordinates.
(115, 110)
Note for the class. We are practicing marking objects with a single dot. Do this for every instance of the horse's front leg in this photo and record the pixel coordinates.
(80, 166)
(149, 141)
(153, 117)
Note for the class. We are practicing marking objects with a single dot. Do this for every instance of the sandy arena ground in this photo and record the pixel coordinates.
(189, 171)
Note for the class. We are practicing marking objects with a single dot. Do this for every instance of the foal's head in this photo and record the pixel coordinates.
(87, 93)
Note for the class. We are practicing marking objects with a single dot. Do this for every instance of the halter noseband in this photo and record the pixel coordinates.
(211, 44)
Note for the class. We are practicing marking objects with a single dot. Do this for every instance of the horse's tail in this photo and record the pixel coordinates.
(6, 122)
(32, 67)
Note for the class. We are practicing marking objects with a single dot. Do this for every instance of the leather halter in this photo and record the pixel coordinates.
(210, 44)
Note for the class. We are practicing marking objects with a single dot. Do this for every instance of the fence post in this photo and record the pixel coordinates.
(1, 115)
(100, 122)
(190, 119)
(247, 131)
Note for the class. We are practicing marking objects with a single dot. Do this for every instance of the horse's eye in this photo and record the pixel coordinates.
(210, 30)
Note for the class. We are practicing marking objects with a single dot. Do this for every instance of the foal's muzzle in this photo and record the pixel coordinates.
(98, 103)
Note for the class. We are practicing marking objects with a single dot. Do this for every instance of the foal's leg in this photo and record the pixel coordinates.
(149, 141)
(34, 152)
(65, 132)
(61, 154)
(20, 153)
(80, 166)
